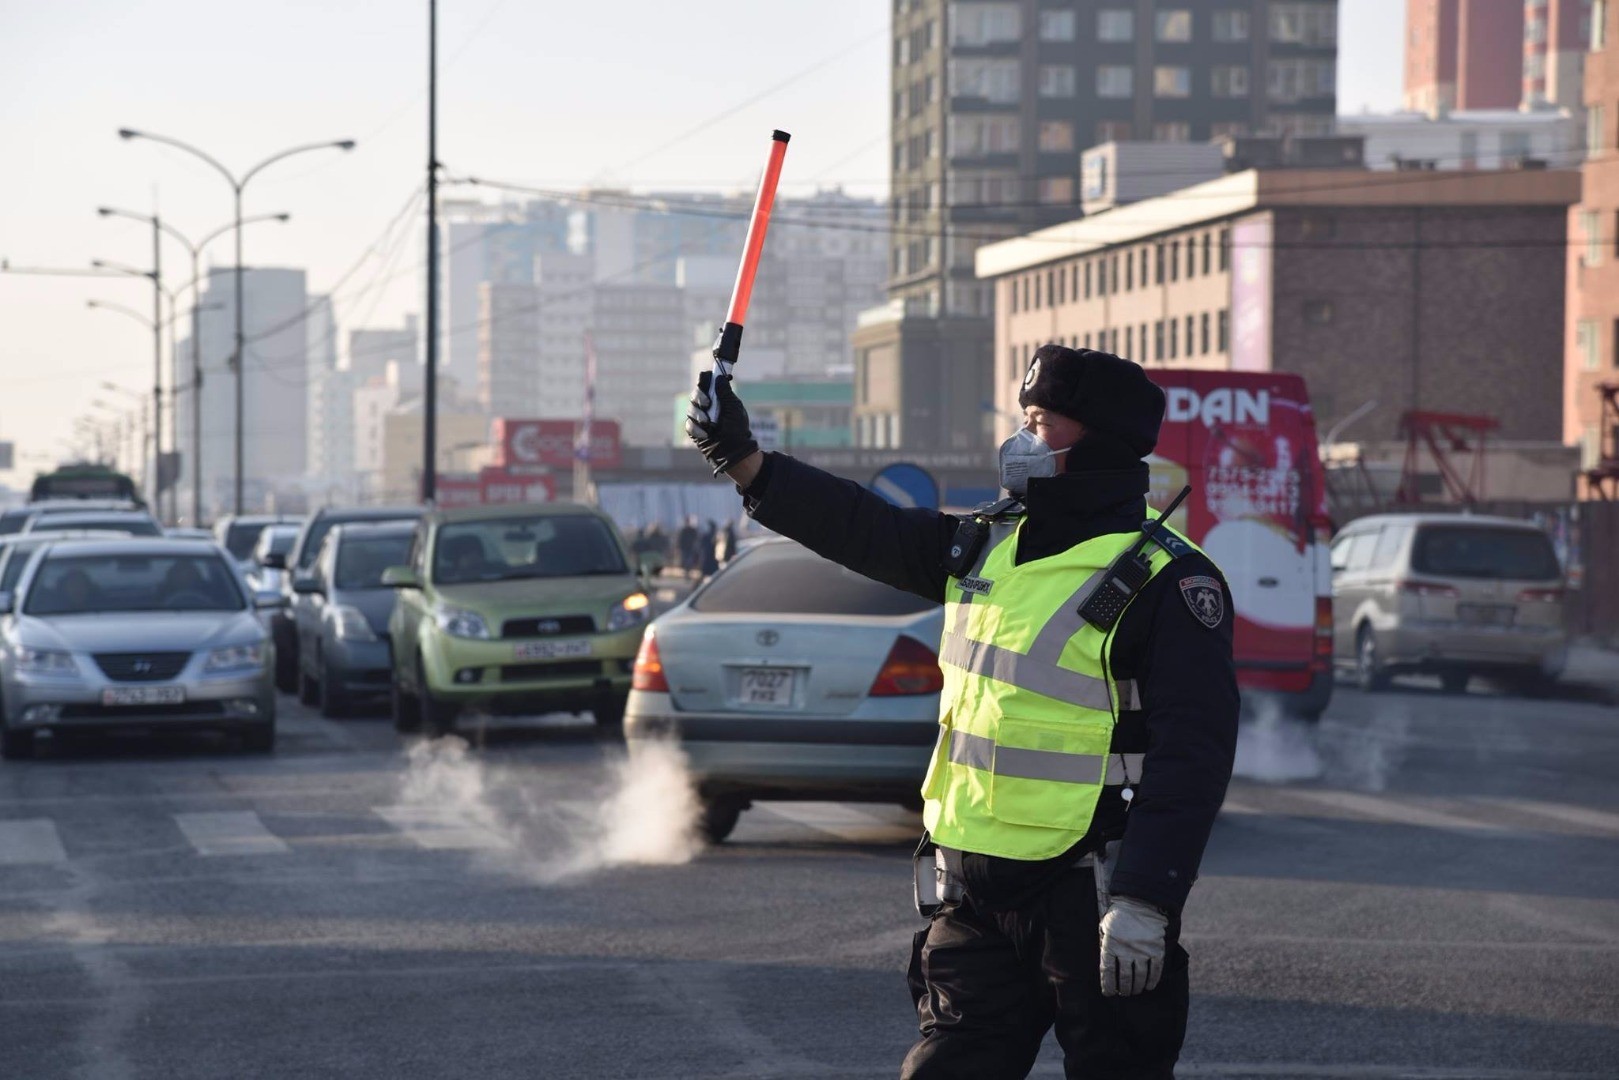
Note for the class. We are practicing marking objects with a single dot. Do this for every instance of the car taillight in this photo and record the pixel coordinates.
(648, 672)
(1323, 629)
(911, 668)
(1425, 588)
(1540, 596)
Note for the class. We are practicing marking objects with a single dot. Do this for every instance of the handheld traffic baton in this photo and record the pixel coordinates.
(729, 342)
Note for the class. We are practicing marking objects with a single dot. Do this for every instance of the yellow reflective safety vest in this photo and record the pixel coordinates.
(1029, 702)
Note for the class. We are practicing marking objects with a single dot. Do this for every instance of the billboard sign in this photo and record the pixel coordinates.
(530, 445)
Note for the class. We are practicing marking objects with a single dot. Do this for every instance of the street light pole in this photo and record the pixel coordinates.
(195, 284)
(157, 369)
(430, 376)
(237, 185)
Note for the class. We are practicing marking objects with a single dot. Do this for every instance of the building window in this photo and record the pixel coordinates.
(1169, 81)
(1172, 131)
(1599, 25)
(1596, 130)
(1174, 26)
(1129, 271)
(1230, 81)
(1591, 223)
(1191, 340)
(1057, 81)
(985, 23)
(1038, 298)
(1116, 24)
(1056, 136)
(1228, 129)
(977, 134)
(1073, 282)
(995, 80)
(1174, 338)
(1206, 254)
(1087, 281)
(1616, 234)
(1113, 131)
(1056, 190)
(1225, 329)
(1304, 23)
(1115, 81)
(1225, 250)
(1101, 277)
(1587, 345)
(1129, 341)
(1058, 25)
(1174, 260)
(1203, 332)
(1158, 273)
(1158, 340)
(1230, 26)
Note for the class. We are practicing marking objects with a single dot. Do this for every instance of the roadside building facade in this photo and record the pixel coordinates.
(1468, 139)
(1593, 252)
(1464, 54)
(1439, 291)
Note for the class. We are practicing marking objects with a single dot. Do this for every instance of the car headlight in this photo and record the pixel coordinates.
(51, 663)
(458, 622)
(352, 624)
(234, 658)
(633, 610)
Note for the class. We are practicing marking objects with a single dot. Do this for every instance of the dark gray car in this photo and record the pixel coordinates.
(343, 622)
(284, 624)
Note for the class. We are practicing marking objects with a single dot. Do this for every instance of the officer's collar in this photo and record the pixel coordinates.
(1089, 493)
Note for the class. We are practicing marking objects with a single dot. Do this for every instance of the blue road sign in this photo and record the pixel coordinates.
(904, 484)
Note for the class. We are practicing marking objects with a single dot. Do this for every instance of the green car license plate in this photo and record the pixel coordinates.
(552, 650)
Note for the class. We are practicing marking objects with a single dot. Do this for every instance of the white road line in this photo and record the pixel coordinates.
(1601, 820)
(33, 840)
(230, 832)
(1237, 806)
(1402, 813)
(441, 830)
(837, 819)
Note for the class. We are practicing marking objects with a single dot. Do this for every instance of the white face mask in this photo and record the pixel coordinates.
(1026, 456)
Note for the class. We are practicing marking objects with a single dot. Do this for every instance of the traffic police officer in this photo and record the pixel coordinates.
(1087, 724)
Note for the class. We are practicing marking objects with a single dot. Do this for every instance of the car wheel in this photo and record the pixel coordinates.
(259, 738)
(286, 662)
(437, 717)
(718, 817)
(1369, 673)
(16, 745)
(308, 688)
(407, 720)
(333, 702)
(609, 713)
(1454, 682)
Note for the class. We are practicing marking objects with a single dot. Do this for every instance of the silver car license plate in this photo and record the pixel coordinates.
(1485, 614)
(771, 688)
(143, 695)
(552, 650)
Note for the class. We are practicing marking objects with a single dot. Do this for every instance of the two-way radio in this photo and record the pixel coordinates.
(1127, 575)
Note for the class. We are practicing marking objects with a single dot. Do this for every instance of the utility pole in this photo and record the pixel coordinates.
(157, 369)
(430, 376)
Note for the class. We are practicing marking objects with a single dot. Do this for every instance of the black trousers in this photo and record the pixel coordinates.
(989, 985)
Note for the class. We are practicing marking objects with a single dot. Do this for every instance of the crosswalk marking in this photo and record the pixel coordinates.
(441, 830)
(33, 840)
(1397, 812)
(230, 832)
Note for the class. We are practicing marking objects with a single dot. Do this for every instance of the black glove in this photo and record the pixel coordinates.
(727, 441)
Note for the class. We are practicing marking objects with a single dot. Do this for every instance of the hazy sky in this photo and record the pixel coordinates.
(554, 94)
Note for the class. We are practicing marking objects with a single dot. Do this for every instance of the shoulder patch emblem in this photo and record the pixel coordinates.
(977, 585)
(1206, 597)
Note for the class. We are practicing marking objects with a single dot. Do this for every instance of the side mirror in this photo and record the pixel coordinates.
(267, 600)
(7, 601)
(305, 584)
(401, 577)
(274, 561)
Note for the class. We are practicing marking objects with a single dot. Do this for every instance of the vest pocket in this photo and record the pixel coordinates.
(1048, 772)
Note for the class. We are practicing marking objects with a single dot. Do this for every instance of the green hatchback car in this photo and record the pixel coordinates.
(514, 609)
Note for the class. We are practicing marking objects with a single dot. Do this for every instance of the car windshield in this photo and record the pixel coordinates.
(1476, 551)
(240, 538)
(789, 580)
(320, 526)
(549, 546)
(361, 560)
(83, 584)
(281, 539)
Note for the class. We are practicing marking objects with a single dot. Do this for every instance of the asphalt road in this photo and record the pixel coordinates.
(1434, 893)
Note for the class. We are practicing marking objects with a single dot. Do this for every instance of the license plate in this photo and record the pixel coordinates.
(552, 650)
(771, 688)
(143, 695)
(1485, 614)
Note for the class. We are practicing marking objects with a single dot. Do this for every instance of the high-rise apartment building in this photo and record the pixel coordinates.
(992, 104)
(1463, 54)
(1592, 336)
(1556, 35)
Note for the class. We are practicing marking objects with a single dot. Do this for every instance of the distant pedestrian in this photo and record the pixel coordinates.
(727, 544)
(686, 542)
(710, 555)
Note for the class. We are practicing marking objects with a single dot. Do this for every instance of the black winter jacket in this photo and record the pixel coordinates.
(1187, 726)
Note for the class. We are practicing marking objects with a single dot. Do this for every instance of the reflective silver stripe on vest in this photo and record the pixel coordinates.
(1024, 672)
(980, 752)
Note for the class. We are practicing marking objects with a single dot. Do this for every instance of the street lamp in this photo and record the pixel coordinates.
(195, 285)
(157, 399)
(237, 184)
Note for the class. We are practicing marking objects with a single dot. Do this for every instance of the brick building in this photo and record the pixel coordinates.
(1434, 290)
(1593, 253)
(1463, 54)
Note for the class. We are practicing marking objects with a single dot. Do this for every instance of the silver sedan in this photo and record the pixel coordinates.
(789, 677)
(153, 634)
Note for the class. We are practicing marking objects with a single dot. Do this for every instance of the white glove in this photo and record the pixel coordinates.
(1133, 941)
